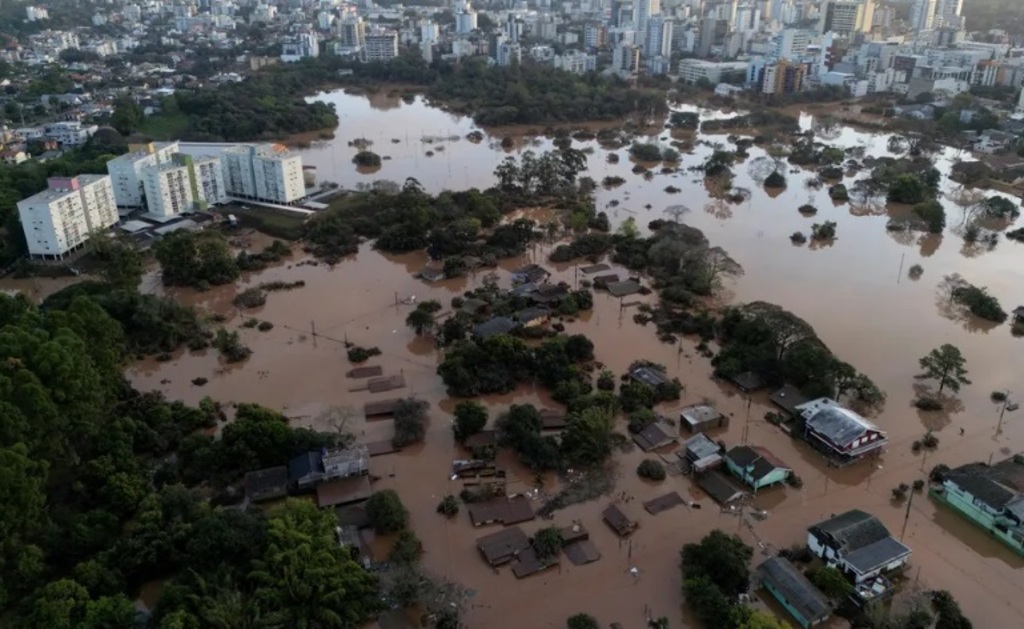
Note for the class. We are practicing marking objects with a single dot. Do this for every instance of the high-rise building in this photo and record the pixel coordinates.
(301, 46)
(351, 31)
(922, 15)
(658, 40)
(61, 218)
(1020, 102)
(776, 76)
(846, 17)
(266, 172)
(594, 34)
(380, 47)
(465, 22)
(791, 43)
(626, 58)
(712, 33)
(642, 11)
(126, 170)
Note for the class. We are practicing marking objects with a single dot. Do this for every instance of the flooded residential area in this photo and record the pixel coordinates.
(857, 290)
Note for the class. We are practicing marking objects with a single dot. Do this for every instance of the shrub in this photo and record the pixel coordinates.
(651, 470)
(915, 271)
(794, 481)
(547, 543)
(641, 418)
(265, 326)
(928, 404)
(582, 621)
(938, 472)
(798, 238)
(930, 441)
(823, 231)
(366, 159)
(230, 347)
(407, 548)
(775, 180)
(410, 422)
(250, 298)
(807, 209)
(449, 506)
(918, 485)
(358, 354)
(998, 396)
(933, 214)
(900, 492)
(838, 192)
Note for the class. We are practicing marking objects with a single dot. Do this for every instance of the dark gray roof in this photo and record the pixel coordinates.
(788, 398)
(529, 314)
(305, 464)
(976, 479)
(748, 381)
(491, 327)
(797, 590)
(762, 461)
(720, 488)
(653, 436)
(623, 288)
(852, 530)
(877, 554)
(649, 375)
(266, 484)
(839, 425)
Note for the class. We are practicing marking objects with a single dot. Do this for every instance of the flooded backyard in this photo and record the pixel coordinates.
(854, 291)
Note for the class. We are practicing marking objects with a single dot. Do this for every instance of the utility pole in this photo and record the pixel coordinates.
(312, 326)
(906, 517)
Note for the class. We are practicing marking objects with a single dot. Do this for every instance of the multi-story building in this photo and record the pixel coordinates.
(169, 189)
(351, 31)
(576, 62)
(777, 76)
(381, 47)
(658, 39)
(465, 21)
(302, 46)
(126, 170)
(642, 12)
(508, 53)
(922, 15)
(846, 17)
(266, 172)
(208, 174)
(626, 58)
(693, 70)
(72, 133)
(791, 43)
(594, 34)
(61, 218)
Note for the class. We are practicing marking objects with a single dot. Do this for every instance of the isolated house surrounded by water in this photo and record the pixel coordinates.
(843, 435)
(756, 466)
(858, 544)
(793, 591)
(990, 496)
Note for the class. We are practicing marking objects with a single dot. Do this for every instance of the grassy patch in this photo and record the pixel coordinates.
(276, 223)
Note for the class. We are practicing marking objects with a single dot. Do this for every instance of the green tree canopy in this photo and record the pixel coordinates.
(945, 364)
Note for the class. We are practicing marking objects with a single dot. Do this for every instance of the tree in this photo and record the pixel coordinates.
(420, 320)
(757, 619)
(407, 548)
(724, 559)
(651, 470)
(547, 543)
(907, 188)
(587, 437)
(831, 582)
(582, 621)
(386, 512)
(128, 115)
(709, 603)
(118, 261)
(449, 506)
(410, 422)
(305, 579)
(190, 259)
(945, 364)
(470, 418)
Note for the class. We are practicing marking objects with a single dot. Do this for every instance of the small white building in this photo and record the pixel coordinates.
(71, 133)
(61, 218)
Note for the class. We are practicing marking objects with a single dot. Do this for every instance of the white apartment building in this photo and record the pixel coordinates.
(302, 46)
(351, 31)
(576, 62)
(169, 189)
(267, 172)
(846, 17)
(71, 133)
(380, 47)
(209, 178)
(126, 171)
(61, 218)
(658, 39)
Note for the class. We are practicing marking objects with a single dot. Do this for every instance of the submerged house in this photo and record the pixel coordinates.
(857, 544)
(756, 466)
(804, 602)
(843, 435)
(531, 273)
(991, 496)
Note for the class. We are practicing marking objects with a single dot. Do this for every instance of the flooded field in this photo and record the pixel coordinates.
(854, 291)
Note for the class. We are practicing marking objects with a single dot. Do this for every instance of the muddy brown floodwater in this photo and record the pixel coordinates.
(854, 291)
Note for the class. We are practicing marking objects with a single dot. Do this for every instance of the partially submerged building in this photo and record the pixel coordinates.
(756, 466)
(804, 602)
(841, 434)
(701, 418)
(701, 453)
(858, 544)
(618, 521)
(991, 496)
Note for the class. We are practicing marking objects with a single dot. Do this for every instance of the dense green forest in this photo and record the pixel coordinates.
(93, 504)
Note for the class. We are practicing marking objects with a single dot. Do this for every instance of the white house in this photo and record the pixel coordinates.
(857, 544)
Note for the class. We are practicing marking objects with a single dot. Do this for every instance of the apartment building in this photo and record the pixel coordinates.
(381, 47)
(267, 172)
(71, 133)
(126, 171)
(60, 219)
(169, 189)
(846, 17)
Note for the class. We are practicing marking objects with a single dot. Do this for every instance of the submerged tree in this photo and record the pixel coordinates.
(945, 364)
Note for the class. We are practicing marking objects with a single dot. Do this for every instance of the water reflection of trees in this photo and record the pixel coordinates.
(719, 208)
(937, 420)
